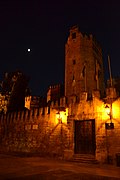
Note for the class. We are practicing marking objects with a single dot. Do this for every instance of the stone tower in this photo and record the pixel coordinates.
(83, 64)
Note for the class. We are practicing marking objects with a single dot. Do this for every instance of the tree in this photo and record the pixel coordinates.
(15, 85)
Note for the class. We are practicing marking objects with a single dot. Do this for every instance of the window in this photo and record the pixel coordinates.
(74, 62)
(48, 109)
(73, 35)
(73, 78)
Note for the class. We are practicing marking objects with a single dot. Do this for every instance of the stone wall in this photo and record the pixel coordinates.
(50, 130)
(107, 140)
(34, 131)
(83, 64)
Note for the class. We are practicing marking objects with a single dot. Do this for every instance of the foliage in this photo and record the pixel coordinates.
(15, 84)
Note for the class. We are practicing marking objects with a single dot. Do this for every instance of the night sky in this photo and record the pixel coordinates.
(44, 27)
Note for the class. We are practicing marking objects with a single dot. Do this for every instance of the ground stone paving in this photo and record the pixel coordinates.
(16, 168)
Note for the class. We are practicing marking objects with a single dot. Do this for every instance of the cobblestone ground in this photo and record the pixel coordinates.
(16, 168)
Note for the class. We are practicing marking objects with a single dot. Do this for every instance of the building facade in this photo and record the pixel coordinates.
(81, 124)
(83, 64)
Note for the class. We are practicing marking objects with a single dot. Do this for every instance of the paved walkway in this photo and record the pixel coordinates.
(14, 167)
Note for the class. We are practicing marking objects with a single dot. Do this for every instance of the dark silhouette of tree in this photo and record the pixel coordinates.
(15, 84)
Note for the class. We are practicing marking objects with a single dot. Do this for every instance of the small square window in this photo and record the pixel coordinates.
(73, 35)
(74, 62)
(73, 78)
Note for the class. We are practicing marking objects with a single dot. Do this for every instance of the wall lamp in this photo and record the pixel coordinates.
(109, 113)
(59, 117)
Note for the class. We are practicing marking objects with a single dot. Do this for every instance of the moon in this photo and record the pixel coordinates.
(29, 49)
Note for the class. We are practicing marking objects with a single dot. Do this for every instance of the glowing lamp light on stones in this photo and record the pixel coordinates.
(107, 110)
(61, 116)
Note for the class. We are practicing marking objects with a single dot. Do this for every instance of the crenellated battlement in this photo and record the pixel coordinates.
(54, 86)
(43, 112)
(33, 113)
(35, 130)
(75, 33)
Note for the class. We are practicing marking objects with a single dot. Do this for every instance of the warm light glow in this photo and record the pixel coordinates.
(106, 112)
(107, 109)
(61, 116)
(115, 110)
(27, 102)
(112, 110)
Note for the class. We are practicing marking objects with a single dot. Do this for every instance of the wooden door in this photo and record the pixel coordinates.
(84, 136)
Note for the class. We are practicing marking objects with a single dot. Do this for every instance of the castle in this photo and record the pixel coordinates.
(81, 123)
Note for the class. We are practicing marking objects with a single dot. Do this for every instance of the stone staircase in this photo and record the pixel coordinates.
(85, 158)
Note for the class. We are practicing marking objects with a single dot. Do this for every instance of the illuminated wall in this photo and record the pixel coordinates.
(50, 130)
(107, 140)
(4, 100)
(41, 130)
